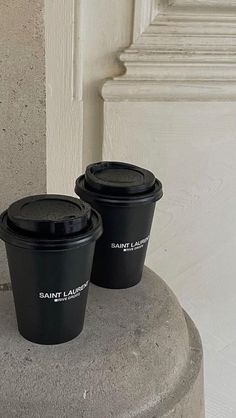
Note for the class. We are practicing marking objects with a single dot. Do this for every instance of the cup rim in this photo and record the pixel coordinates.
(89, 195)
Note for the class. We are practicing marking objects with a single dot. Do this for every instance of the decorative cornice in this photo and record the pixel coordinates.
(212, 6)
(144, 13)
(179, 56)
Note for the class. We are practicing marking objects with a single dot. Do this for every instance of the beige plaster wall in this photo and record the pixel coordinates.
(22, 104)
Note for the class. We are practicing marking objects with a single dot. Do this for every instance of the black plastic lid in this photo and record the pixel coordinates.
(118, 183)
(50, 223)
(117, 178)
(49, 215)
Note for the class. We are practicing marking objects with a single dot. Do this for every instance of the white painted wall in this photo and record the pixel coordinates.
(82, 42)
(174, 113)
(107, 27)
(178, 121)
(191, 147)
(63, 31)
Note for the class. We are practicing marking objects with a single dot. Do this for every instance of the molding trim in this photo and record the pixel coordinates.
(63, 46)
(144, 13)
(181, 50)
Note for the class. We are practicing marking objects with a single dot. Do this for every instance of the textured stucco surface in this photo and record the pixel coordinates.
(138, 356)
(22, 104)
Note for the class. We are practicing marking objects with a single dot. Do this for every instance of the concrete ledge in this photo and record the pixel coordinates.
(138, 356)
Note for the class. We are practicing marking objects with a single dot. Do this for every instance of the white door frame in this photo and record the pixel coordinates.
(64, 104)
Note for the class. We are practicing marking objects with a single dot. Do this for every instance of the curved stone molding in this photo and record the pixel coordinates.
(181, 50)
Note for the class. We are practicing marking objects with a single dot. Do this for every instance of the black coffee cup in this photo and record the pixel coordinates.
(125, 195)
(50, 241)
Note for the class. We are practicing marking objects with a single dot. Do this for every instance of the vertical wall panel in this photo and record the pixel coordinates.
(107, 30)
(63, 24)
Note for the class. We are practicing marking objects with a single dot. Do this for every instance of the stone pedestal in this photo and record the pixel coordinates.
(139, 356)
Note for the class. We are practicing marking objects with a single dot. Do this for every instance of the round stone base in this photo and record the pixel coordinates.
(139, 356)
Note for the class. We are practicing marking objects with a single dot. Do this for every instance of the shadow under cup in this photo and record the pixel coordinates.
(50, 241)
(125, 196)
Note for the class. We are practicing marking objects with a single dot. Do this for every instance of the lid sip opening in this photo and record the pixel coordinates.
(49, 215)
(50, 221)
